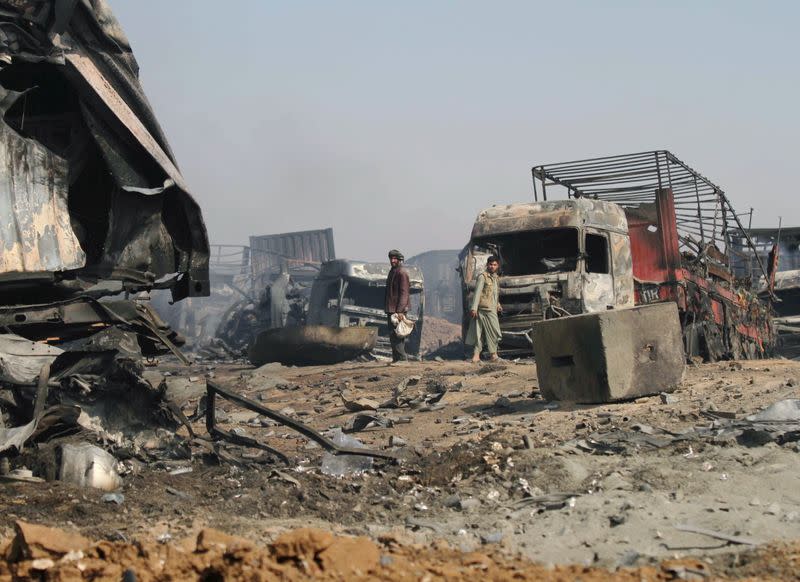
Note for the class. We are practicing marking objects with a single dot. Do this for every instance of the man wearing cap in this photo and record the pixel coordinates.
(397, 301)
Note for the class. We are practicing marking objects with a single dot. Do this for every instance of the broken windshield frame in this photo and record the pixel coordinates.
(534, 252)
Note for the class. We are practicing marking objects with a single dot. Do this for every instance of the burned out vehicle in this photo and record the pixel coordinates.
(92, 203)
(352, 293)
(786, 288)
(779, 249)
(558, 258)
(276, 273)
(633, 229)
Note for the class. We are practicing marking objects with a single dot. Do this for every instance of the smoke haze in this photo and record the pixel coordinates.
(395, 123)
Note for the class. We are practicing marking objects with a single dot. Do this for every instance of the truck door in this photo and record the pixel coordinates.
(598, 280)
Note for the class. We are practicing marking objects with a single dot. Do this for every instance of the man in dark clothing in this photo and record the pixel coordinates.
(397, 302)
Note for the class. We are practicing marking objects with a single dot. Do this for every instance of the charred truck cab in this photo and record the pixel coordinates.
(352, 293)
(558, 258)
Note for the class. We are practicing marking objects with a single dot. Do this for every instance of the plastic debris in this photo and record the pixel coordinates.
(342, 465)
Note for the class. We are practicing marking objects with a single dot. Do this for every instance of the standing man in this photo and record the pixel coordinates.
(397, 294)
(484, 310)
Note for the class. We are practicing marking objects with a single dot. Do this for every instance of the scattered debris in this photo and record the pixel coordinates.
(276, 474)
(116, 498)
(21, 360)
(667, 398)
(87, 465)
(363, 421)
(329, 445)
(359, 404)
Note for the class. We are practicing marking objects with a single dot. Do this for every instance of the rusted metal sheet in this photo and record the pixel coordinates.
(719, 322)
(35, 231)
(654, 240)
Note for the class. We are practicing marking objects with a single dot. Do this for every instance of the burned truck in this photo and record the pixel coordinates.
(352, 293)
(779, 249)
(632, 230)
(558, 258)
(92, 203)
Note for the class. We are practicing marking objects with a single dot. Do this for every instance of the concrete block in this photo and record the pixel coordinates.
(610, 355)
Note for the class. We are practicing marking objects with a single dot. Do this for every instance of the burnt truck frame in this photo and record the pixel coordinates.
(349, 293)
(670, 236)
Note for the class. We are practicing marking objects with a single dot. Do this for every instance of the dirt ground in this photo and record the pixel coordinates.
(437, 333)
(487, 469)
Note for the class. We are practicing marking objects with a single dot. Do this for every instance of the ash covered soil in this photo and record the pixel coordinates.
(487, 468)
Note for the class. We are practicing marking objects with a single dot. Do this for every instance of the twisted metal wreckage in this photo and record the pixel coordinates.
(92, 203)
(634, 229)
(93, 211)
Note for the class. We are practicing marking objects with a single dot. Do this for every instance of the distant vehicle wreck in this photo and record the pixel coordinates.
(779, 249)
(351, 293)
(91, 200)
(272, 280)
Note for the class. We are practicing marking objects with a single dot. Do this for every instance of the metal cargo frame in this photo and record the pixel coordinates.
(703, 213)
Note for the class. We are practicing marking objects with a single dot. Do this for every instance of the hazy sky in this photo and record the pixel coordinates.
(395, 123)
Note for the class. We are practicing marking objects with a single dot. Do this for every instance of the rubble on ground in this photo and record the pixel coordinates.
(470, 454)
(115, 445)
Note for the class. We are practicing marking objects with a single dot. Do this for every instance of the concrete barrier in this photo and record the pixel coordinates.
(610, 355)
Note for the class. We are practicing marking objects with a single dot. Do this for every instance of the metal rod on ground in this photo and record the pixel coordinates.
(307, 431)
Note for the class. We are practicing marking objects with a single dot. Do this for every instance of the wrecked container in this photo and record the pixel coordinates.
(610, 356)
